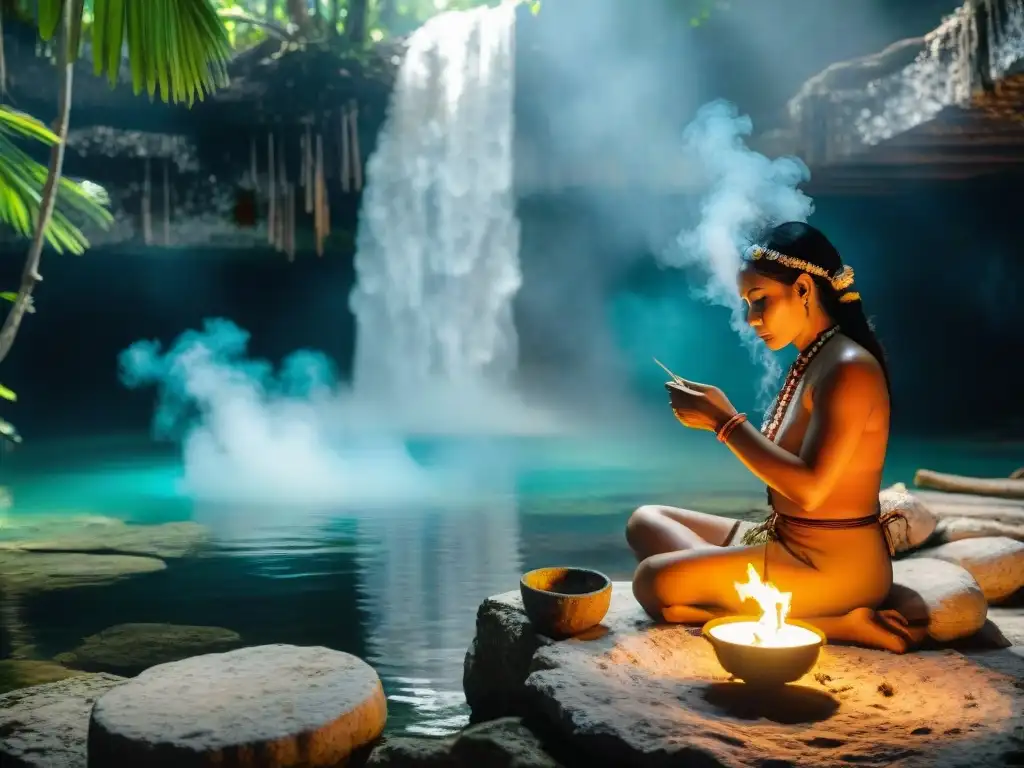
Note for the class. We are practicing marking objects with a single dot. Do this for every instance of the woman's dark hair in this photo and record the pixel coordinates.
(804, 242)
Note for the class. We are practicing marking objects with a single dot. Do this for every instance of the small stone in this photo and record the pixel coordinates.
(943, 594)
(128, 649)
(996, 563)
(45, 726)
(259, 707)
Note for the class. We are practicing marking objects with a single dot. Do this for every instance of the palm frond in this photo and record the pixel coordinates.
(21, 188)
(177, 47)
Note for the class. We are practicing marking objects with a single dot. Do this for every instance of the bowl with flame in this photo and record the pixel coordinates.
(766, 650)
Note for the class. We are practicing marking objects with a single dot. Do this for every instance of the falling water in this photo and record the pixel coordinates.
(437, 257)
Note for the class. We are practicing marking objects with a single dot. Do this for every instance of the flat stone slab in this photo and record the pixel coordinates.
(45, 726)
(23, 571)
(25, 673)
(637, 694)
(265, 706)
(128, 649)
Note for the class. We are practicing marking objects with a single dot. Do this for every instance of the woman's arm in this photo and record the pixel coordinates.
(841, 405)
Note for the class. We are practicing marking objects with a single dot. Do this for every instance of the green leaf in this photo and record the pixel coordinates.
(21, 185)
(179, 47)
(8, 394)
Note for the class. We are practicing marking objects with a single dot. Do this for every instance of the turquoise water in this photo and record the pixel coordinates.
(397, 584)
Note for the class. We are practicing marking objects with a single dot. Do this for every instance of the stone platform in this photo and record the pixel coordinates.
(632, 693)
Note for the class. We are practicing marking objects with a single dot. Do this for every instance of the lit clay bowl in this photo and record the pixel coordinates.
(562, 602)
(761, 665)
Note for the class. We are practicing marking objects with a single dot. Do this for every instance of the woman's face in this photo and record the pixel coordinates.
(775, 310)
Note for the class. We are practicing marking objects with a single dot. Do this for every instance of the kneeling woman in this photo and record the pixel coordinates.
(820, 452)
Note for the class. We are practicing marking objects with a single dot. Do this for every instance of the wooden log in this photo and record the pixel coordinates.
(954, 505)
(981, 486)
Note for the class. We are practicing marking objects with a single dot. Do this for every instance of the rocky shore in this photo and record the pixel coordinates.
(628, 693)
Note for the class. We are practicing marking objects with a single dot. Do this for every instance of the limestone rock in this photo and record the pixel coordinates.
(941, 593)
(916, 524)
(128, 649)
(24, 673)
(996, 563)
(22, 571)
(45, 726)
(644, 695)
(266, 706)
(503, 743)
(498, 659)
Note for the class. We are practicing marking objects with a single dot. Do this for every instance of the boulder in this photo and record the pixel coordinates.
(45, 726)
(642, 695)
(503, 743)
(266, 706)
(912, 522)
(996, 563)
(942, 594)
(128, 649)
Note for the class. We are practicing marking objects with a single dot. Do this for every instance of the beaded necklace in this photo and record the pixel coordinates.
(774, 416)
(773, 419)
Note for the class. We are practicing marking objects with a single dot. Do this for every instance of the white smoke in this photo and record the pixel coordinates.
(741, 192)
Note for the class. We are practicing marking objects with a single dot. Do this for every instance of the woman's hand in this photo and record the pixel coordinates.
(699, 406)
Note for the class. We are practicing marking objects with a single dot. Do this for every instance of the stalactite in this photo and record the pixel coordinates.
(290, 239)
(357, 160)
(167, 202)
(307, 168)
(147, 195)
(345, 152)
(254, 167)
(320, 215)
(285, 210)
(271, 191)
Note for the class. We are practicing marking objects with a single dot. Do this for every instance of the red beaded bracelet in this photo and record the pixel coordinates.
(727, 429)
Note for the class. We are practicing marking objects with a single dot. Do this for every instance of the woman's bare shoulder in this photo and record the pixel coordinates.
(850, 366)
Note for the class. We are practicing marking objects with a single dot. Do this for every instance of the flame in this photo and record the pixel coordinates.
(774, 606)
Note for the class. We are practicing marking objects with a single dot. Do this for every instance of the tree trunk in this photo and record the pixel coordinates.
(335, 16)
(270, 9)
(30, 274)
(298, 12)
(388, 14)
(355, 22)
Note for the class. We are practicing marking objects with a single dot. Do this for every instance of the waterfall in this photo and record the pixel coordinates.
(437, 252)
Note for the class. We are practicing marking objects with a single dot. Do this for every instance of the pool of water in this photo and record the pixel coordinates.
(396, 584)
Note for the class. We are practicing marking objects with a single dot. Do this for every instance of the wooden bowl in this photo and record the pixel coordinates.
(562, 602)
(764, 665)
